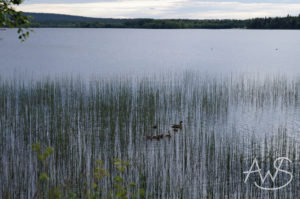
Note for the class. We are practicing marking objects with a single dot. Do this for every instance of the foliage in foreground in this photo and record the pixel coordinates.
(11, 18)
(120, 189)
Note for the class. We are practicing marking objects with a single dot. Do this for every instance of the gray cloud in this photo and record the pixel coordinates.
(95, 1)
(64, 1)
(168, 9)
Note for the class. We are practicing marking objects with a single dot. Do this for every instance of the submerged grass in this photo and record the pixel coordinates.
(109, 118)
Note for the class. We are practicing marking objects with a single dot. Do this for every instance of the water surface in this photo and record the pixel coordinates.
(90, 51)
(236, 91)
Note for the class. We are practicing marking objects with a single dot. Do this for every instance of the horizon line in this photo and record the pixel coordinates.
(132, 18)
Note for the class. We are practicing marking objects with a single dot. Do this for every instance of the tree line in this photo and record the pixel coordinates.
(11, 18)
(53, 20)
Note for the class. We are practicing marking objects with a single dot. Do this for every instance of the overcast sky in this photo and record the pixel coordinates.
(193, 9)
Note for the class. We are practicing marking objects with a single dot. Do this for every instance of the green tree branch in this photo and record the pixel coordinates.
(11, 18)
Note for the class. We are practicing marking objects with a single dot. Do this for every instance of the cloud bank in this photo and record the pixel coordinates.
(190, 9)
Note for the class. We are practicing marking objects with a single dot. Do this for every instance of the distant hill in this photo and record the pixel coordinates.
(46, 17)
(69, 21)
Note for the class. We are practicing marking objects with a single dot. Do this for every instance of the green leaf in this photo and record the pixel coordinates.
(36, 147)
(118, 179)
(43, 177)
(48, 151)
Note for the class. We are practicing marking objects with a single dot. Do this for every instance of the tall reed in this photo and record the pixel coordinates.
(228, 121)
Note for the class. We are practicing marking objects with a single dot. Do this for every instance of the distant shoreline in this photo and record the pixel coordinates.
(43, 20)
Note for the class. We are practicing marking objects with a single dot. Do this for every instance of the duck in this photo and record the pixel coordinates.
(154, 126)
(175, 130)
(156, 137)
(149, 137)
(168, 135)
(177, 126)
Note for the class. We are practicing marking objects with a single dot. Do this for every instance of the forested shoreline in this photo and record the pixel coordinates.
(67, 21)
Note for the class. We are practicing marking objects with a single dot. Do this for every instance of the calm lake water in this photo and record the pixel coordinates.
(236, 91)
(105, 51)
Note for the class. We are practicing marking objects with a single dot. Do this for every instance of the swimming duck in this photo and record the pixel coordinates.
(157, 137)
(177, 126)
(154, 126)
(149, 137)
(168, 135)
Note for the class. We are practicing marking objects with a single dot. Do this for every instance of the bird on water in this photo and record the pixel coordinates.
(168, 135)
(154, 126)
(177, 126)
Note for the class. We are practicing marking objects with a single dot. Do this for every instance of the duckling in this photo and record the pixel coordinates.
(157, 137)
(177, 126)
(149, 137)
(154, 126)
(168, 135)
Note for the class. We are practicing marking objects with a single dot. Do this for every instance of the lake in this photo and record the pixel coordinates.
(106, 51)
(95, 94)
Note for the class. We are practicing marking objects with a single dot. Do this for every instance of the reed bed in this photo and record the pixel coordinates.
(228, 121)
